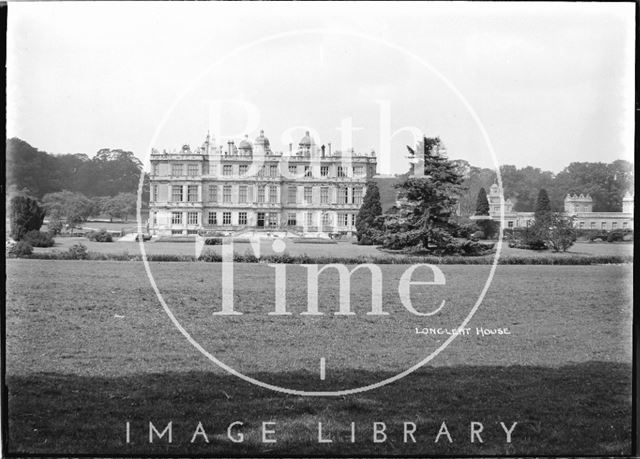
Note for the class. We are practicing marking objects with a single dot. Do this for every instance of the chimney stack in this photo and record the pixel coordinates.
(290, 148)
(329, 149)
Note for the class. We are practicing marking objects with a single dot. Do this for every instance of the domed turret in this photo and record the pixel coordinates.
(306, 141)
(245, 146)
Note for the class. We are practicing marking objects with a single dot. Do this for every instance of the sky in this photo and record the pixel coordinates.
(539, 84)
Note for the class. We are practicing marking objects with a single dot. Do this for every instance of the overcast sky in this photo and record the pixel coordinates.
(551, 83)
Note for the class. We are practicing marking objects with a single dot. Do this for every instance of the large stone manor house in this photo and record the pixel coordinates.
(310, 190)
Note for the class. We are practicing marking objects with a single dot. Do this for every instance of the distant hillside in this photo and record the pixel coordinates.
(37, 173)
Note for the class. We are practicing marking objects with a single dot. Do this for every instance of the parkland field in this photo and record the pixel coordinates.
(90, 348)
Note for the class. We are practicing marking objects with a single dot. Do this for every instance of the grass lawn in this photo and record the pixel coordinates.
(90, 348)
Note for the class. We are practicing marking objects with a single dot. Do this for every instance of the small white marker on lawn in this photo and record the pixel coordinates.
(322, 375)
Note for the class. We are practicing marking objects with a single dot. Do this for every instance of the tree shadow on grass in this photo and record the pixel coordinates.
(582, 409)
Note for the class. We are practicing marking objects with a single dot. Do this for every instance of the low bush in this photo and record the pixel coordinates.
(38, 239)
(478, 234)
(618, 235)
(20, 249)
(99, 236)
(213, 241)
(77, 252)
(466, 230)
(490, 228)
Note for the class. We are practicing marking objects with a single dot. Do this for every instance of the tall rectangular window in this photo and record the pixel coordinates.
(604, 225)
(307, 171)
(205, 168)
(273, 193)
(213, 193)
(193, 169)
(176, 193)
(176, 218)
(324, 171)
(242, 218)
(243, 168)
(291, 219)
(242, 194)
(155, 169)
(358, 171)
(212, 218)
(261, 193)
(357, 196)
(308, 194)
(344, 219)
(309, 218)
(593, 225)
(192, 193)
(292, 194)
(176, 170)
(192, 218)
(344, 195)
(293, 169)
(273, 170)
(226, 193)
(614, 225)
(324, 195)
(226, 218)
(227, 170)
(341, 172)
(154, 194)
(326, 219)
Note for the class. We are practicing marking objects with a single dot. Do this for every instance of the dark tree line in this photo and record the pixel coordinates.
(38, 173)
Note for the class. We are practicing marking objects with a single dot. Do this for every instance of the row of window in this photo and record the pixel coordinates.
(193, 170)
(345, 195)
(581, 225)
(603, 225)
(292, 218)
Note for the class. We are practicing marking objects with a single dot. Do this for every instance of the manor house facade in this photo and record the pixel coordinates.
(578, 206)
(236, 188)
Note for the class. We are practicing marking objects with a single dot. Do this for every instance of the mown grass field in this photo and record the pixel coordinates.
(90, 348)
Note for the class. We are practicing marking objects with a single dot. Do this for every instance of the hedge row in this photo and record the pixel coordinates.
(79, 253)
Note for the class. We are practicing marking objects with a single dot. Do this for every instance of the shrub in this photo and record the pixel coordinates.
(371, 236)
(490, 228)
(25, 215)
(77, 252)
(615, 236)
(599, 234)
(213, 241)
(38, 239)
(210, 256)
(99, 236)
(21, 249)
(466, 230)
(478, 235)
(54, 227)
